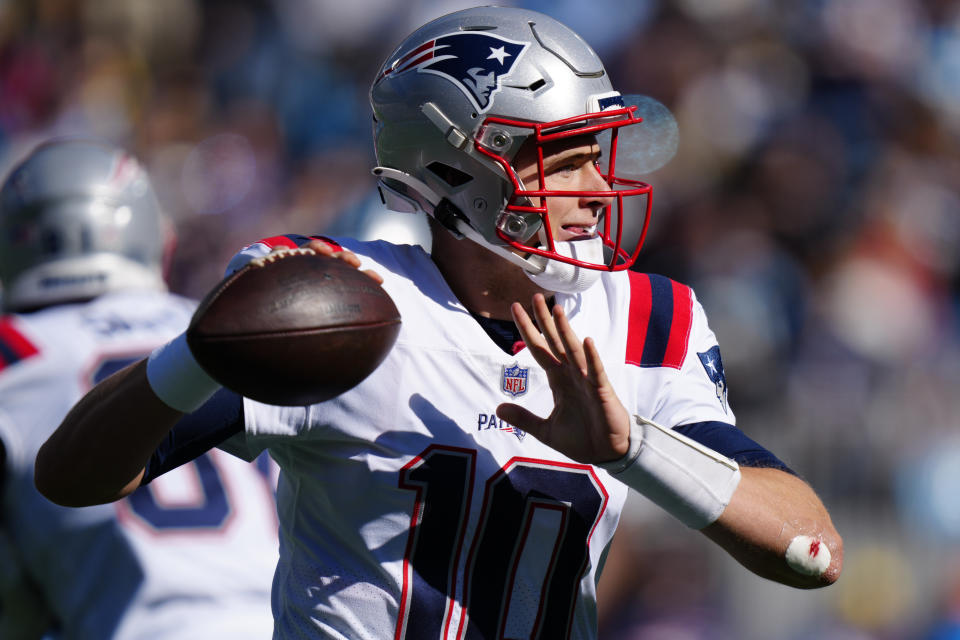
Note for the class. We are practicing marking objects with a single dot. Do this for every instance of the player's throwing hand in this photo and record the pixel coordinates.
(588, 422)
(323, 248)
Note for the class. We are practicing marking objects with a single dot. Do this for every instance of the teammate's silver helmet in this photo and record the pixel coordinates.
(457, 99)
(78, 219)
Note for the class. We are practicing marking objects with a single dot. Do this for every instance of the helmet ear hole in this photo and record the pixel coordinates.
(450, 175)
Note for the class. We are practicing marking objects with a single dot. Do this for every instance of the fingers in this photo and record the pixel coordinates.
(594, 364)
(588, 422)
(373, 275)
(320, 247)
(571, 343)
(521, 418)
(534, 340)
(552, 334)
(547, 325)
(325, 249)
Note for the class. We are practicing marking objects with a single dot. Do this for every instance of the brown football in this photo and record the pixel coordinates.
(293, 329)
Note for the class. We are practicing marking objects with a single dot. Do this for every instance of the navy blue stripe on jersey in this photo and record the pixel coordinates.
(728, 440)
(661, 316)
(661, 319)
(196, 433)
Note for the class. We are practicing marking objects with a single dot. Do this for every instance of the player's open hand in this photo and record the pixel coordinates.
(588, 422)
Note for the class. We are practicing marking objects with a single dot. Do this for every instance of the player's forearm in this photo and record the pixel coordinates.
(768, 511)
(99, 451)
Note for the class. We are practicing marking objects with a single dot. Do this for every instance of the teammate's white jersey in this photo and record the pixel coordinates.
(408, 510)
(190, 555)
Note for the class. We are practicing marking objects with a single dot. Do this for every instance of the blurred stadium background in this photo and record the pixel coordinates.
(814, 204)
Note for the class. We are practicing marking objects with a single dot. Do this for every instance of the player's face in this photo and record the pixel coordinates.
(569, 165)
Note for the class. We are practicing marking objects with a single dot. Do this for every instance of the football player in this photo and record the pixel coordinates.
(471, 485)
(83, 245)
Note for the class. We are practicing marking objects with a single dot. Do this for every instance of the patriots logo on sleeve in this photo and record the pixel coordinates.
(474, 62)
(714, 367)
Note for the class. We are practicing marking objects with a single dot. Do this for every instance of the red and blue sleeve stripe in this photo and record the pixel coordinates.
(295, 241)
(14, 346)
(661, 316)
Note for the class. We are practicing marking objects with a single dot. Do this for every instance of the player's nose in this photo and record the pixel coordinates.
(596, 183)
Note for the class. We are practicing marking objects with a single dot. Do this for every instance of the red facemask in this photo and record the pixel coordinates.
(521, 217)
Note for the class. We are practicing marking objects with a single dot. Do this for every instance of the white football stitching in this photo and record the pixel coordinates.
(277, 254)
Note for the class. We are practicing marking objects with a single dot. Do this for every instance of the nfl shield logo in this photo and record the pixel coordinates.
(514, 380)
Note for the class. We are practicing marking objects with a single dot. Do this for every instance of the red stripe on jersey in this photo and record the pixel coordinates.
(279, 241)
(680, 327)
(13, 345)
(295, 241)
(641, 302)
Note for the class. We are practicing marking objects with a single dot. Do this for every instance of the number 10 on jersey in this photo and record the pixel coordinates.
(523, 562)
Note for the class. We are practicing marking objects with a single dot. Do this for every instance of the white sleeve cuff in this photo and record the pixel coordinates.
(176, 377)
(690, 481)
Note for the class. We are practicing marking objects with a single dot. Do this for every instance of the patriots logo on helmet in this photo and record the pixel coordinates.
(474, 62)
(714, 367)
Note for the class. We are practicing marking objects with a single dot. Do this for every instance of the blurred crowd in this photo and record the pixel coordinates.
(813, 204)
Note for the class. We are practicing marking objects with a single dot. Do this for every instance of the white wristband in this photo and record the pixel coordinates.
(690, 481)
(177, 379)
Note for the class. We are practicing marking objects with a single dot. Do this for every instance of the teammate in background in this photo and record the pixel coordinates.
(82, 249)
(470, 486)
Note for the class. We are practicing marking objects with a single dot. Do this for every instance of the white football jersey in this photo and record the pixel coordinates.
(409, 510)
(190, 555)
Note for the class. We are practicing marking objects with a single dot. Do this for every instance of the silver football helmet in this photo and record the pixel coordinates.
(78, 219)
(459, 97)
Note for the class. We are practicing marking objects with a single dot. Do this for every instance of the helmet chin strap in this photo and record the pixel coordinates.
(563, 277)
(550, 275)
